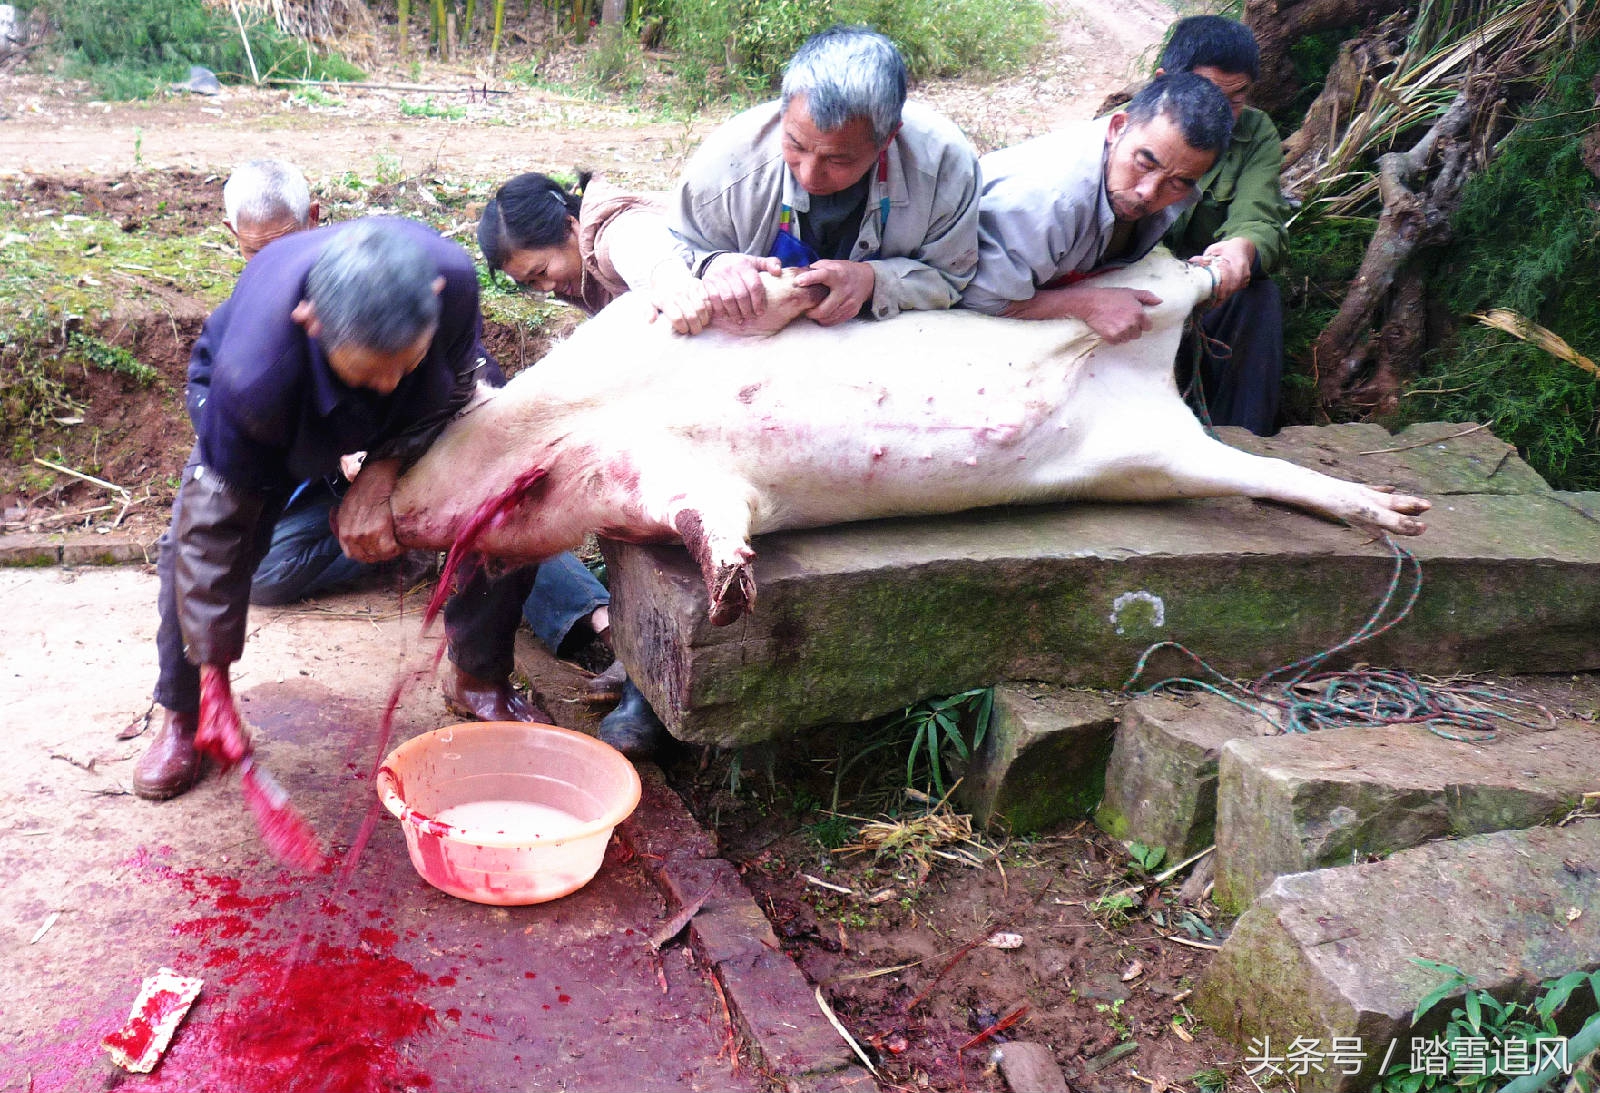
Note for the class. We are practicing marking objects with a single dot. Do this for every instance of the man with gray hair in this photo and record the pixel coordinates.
(358, 337)
(1094, 195)
(876, 198)
(266, 199)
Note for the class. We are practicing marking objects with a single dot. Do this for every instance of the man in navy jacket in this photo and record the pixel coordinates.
(359, 337)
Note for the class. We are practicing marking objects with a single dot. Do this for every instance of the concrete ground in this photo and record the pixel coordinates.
(311, 981)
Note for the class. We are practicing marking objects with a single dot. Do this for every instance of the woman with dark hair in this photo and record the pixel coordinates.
(588, 245)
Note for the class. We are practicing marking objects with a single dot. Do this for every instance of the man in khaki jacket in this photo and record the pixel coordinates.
(877, 200)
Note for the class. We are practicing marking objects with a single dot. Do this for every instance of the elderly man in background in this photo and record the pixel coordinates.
(266, 199)
(358, 337)
(875, 198)
(1236, 227)
(1091, 196)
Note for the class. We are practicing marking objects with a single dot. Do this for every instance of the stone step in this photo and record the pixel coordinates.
(103, 547)
(1328, 954)
(1288, 804)
(1161, 781)
(855, 621)
(1043, 760)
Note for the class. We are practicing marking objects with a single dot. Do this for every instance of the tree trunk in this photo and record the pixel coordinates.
(1278, 23)
(1354, 368)
(1362, 62)
(1591, 143)
(613, 13)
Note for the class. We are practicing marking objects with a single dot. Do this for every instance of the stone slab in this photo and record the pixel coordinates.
(106, 550)
(25, 550)
(1329, 953)
(1161, 782)
(1044, 758)
(1586, 502)
(1029, 1067)
(858, 620)
(765, 991)
(1288, 804)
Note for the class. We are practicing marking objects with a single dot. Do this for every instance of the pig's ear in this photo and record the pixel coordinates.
(305, 313)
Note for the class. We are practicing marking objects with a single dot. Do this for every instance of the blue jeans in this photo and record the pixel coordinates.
(564, 594)
(304, 557)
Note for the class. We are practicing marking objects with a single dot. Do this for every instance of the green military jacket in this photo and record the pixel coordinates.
(1239, 196)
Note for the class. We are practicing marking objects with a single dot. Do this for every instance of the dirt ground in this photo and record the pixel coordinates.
(903, 931)
(364, 981)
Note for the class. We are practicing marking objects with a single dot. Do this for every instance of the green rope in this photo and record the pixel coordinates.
(1195, 393)
(1306, 700)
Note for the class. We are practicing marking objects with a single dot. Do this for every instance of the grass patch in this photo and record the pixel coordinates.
(98, 353)
(427, 108)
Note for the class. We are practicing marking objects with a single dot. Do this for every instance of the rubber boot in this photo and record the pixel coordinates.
(633, 727)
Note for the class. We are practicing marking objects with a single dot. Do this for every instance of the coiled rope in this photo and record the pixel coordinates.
(1306, 700)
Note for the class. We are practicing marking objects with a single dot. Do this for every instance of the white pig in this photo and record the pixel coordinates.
(644, 434)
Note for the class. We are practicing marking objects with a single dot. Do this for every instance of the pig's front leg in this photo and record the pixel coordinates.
(724, 560)
(712, 515)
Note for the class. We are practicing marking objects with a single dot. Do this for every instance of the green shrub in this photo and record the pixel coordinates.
(1466, 1055)
(1525, 237)
(1322, 258)
(131, 48)
(616, 60)
(742, 45)
(955, 37)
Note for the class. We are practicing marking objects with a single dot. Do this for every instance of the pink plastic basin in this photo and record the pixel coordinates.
(504, 812)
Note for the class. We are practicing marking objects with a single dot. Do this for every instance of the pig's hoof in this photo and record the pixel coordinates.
(733, 594)
(1394, 512)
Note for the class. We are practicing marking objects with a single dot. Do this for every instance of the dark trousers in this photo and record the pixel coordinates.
(480, 620)
(1241, 358)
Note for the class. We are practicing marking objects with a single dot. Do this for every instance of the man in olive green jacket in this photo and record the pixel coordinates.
(1237, 227)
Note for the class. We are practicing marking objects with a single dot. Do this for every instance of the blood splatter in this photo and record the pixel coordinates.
(331, 1021)
(316, 1016)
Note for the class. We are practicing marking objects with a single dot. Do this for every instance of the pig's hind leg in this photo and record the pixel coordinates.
(1198, 466)
(730, 583)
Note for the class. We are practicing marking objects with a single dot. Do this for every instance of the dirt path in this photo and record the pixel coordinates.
(57, 129)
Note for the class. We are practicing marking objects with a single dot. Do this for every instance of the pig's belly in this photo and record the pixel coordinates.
(809, 474)
(817, 449)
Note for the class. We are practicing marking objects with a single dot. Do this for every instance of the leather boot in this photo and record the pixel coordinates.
(469, 696)
(170, 765)
(633, 727)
